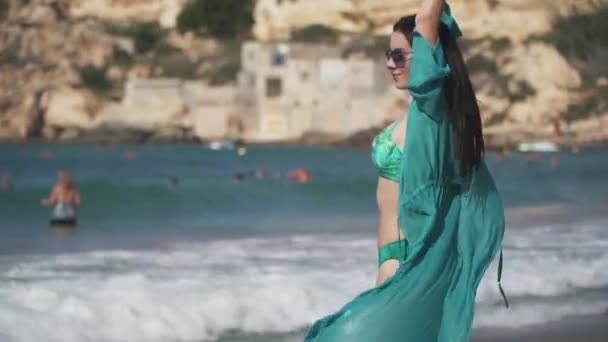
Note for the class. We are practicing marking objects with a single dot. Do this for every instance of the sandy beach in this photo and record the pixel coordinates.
(576, 329)
(579, 329)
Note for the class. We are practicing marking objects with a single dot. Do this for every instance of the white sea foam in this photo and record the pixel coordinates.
(197, 291)
(184, 293)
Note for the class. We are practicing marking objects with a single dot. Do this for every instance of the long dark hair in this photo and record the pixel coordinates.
(463, 108)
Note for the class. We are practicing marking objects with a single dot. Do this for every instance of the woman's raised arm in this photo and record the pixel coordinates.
(428, 17)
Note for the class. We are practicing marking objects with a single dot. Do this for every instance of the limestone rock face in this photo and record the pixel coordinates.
(553, 81)
(47, 47)
(163, 11)
(530, 83)
(40, 59)
(70, 108)
(514, 18)
(274, 19)
(521, 80)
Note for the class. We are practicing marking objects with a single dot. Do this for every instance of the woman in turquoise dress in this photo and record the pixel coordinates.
(448, 207)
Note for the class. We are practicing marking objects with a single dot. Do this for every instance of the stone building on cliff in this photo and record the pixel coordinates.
(288, 89)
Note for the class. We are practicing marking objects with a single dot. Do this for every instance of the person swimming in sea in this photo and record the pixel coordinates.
(300, 175)
(174, 181)
(5, 182)
(65, 200)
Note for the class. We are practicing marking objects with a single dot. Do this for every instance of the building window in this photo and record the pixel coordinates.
(274, 87)
(305, 76)
(278, 59)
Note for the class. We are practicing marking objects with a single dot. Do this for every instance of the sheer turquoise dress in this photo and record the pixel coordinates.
(454, 227)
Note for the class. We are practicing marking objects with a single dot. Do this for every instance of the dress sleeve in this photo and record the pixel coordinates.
(429, 70)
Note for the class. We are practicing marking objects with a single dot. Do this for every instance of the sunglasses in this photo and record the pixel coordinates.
(399, 56)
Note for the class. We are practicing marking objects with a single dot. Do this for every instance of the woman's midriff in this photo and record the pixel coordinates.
(387, 196)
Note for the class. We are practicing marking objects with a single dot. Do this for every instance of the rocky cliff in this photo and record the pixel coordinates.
(161, 11)
(64, 64)
(538, 65)
(479, 18)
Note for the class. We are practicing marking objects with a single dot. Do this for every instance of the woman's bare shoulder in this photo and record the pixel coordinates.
(399, 131)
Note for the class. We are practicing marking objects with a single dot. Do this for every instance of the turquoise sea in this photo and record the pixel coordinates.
(171, 248)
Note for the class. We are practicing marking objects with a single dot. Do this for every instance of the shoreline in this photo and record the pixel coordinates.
(592, 328)
(323, 143)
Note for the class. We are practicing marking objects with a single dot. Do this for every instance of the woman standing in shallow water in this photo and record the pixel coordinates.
(436, 192)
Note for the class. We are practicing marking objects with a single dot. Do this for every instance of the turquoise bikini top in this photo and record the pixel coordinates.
(386, 155)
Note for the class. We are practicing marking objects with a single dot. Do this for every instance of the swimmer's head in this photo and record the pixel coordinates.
(65, 178)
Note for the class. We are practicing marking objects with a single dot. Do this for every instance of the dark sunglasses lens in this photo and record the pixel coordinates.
(396, 55)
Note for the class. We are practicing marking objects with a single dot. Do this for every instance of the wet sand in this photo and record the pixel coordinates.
(579, 329)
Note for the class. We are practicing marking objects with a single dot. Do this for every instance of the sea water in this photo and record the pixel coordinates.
(171, 248)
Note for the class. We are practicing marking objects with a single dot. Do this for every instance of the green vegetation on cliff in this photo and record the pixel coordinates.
(582, 38)
(220, 18)
(316, 34)
(575, 34)
(146, 36)
(95, 78)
